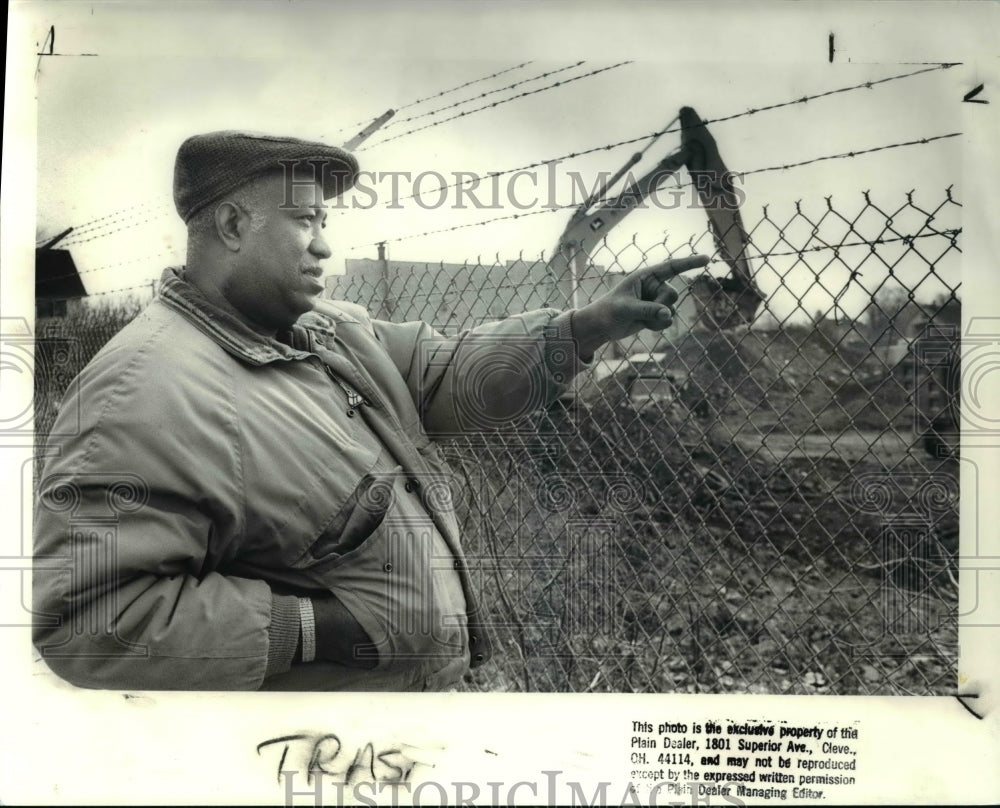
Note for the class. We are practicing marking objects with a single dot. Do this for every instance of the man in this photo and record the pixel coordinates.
(253, 498)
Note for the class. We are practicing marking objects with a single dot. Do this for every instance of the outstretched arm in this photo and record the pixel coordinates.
(507, 369)
(643, 299)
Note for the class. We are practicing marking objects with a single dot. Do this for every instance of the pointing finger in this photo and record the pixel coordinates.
(673, 268)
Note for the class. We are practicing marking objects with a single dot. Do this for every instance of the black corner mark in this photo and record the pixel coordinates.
(50, 40)
(48, 47)
(833, 50)
(970, 97)
(961, 700)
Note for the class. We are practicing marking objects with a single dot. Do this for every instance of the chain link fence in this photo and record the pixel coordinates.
(764, 509)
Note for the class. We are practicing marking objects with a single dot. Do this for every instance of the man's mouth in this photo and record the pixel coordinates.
(314, 272)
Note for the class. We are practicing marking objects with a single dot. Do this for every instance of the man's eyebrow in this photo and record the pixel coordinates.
(298, 207)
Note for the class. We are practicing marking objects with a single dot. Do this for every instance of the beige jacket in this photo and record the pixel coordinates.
(202, 476)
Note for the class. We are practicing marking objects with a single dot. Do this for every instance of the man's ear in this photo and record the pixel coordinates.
(229, 224)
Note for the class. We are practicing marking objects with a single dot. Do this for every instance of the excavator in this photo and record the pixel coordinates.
(722, 303)
(932, 370)
(725, 302)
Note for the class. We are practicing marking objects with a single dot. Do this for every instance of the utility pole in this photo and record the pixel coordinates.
(385, 303)
(369, 130)
(48, 245)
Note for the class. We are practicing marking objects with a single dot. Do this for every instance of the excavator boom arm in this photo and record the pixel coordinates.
(586, 230)
(731, 300)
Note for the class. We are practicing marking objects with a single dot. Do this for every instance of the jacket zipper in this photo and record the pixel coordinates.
(354, 398)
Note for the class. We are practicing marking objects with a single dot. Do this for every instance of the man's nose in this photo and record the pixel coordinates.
(320, 248)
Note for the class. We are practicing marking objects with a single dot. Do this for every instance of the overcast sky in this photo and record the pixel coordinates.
(109, 127)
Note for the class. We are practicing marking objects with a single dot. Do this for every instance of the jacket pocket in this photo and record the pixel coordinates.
(360, 516)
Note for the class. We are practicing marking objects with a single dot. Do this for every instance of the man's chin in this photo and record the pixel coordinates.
(307, 302)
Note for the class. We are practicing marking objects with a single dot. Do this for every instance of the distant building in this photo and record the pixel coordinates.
(57, 282)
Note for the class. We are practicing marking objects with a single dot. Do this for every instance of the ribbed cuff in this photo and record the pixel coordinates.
(282, 634)
(307, 620)
(561, 356)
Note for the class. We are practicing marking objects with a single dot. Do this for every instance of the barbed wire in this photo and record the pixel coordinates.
(122, 222)
(850, 154)
(545, 75)
(806, 98)
(117, 215)
(75, 236)
(553, 208)
(88, 227)
(501, 102)
(104, 233)
(670, 129)
(466, 84)
(148, 257)
(480, 223)
(951, 234)
(364, 122)
(437, 95)
(146, 285)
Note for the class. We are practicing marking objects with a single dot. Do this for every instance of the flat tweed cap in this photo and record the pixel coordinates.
(212, 165)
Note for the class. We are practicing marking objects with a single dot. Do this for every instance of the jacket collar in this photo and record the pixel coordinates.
(231, 333)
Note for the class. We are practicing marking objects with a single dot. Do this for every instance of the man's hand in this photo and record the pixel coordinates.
(643, 299)
(339, 637)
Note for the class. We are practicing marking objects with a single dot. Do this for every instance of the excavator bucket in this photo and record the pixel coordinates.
(732, 301)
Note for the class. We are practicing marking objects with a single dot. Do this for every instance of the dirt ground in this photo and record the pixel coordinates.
(752, 561)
